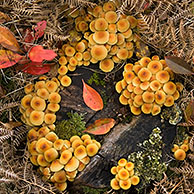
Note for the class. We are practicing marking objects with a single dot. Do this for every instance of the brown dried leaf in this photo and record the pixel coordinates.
(4, 18)
(11, 124)
(178, 65)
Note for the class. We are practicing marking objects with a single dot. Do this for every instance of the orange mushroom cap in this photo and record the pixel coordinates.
(101, 24)
(180, 154)
(135, 180)
(72, 164)
(99, 52)
(50, 154)
(125, 184)
(36, 117)
(92, 149)
(60, 176)
(106, 65)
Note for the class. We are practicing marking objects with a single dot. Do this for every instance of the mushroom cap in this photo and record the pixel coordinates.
(42, 161)
(81, 166)
(169, 101)
(86, 63)
(80, 47)
(160, 97)
(123, 83)
(85, 160)
(138, 100)
(33, 159)
(123, 174)
(60, 176)
(114, 184)
(128, 67)
(112, 28)
(101, 24)
(86, 56)
(144, 74)
(136, 68)
(126, 93)
(69, 51)
(180, 154)
(113, 170)
(144, 85)
(74, 137)
(36, 117)
(92, 26)
(43, 93)
(66, 155)
(62, 60)
(127, 34)
(72, 164)
(101, 37)
(118, 87)
(111, 17)
(53, 107)
(122, 53)
(176, 95)
(67, 143)
(135, 180)
(175, 147)
(38, 103)
(29, 88)
(148, 97)
(135, 110)
(82, 26)
(99, 52)
(120, 39)
(123, 100)
(25, 102)
(65, 81)
(72, 174)
(70, 68)
(125, 184)
(49, 118)
(184, 147)
(87, 142)
(109, 6)
(179, 86)
(129, 166)
(137, 90)
(50, 154)
(155, 85)
(169, 88)
(54, 97)
(136, 81)
(85, 136)
(61, 186)
(129, 76)
(56, 166)
(32, 148)
(146, 108)
(51, 86)
(156, 109)
(62, 70)
(43, 131)
(133, 21)
(51, 136)
(76, 143)
(80, 152)
(144, 61)
(79, 56)
(92, 149)
(116, 59)
(106, 65)
(123, 25)
(162, 76)
(122, 162)
(58, 144)
(97, 10)
(32, 135)
(112, 39)
(42, 145)
(129, 46)
(155, 66)
(39, 84)
(73, 61)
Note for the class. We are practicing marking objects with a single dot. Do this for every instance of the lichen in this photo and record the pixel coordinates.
(148, 162)
(73, 126)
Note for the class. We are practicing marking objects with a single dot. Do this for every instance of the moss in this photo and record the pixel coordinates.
(73, 126)
(90, 190)
(95, 78)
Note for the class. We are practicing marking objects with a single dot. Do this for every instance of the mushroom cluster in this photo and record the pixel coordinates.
(147, 86)
(124, 175)
(60, 160)
(40, 103)
(180, 151)
(100, 35)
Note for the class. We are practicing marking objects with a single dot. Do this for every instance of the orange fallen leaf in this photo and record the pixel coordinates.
(100, 126)
(41, 26)
(8, 40)
(92, 98)
(8, 58)
(38, 54)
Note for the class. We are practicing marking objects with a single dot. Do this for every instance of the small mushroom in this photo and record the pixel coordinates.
(49, 118)
(25, 102)
(155, 66)
(135, 180)
(80, 152)
(69, 51)
(125, 184)
(122, 54)
(42, 145)
(122, 162)
(29, 88)
(66, 155)
(114, 184)
(72, 164)
(169, 88)
(162, 76)
(123, 174)
(56, 166)
(54, 97)
(123, 25)
(129, 166)
(36, 117)
(99, 52)
(65, 81)
(101, 24)
(58, 144)
(51, 136)
(111, 17)
(39, 84)
(42, 161)
(50, 154)
(62, 60)
(106, 65)
(180, 154)
(38, 103)
(60, 176)
(61, 186)
(113, 170)
(146, 108)
(144, 74)
(160, 97)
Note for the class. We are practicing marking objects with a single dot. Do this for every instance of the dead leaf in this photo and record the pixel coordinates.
(100, 126)
(8, 58)
(28, 38)
(178, 65)
(4, 18)
(38, 54)
(36, 68)
(39, 29)
(11, 124)
(8, 40)
(92, 98)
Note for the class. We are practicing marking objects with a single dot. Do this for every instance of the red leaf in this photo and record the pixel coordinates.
(40, 29)
(38, 54)
(36, 68)
(8, 40)
(100, 126)
(92, 98)
(8, 58)
(28, 38)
